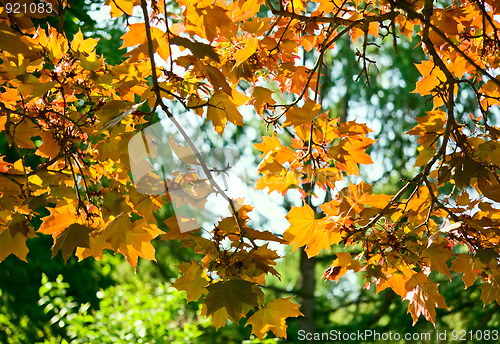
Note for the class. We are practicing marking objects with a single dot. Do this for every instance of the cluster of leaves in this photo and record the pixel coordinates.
(67, 147)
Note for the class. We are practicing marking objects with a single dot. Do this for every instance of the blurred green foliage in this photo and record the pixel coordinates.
(22, 320)
(133, 312)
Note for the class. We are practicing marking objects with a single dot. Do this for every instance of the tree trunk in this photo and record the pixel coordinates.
(307, 281)
(307, 287)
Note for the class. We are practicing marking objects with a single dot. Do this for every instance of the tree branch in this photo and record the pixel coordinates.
(186, 137)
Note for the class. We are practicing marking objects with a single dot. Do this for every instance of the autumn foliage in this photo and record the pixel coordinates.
(67, 160)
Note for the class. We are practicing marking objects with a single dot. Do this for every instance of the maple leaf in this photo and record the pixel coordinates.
(297, 116)
(268, 144)
(217, 79)
(396, 281)
(486, 257)
(76, 235)
(424, 155)
(232, 295)
(59, 219)
(268, 236)
(260, 97)
(490, 292)
(222, 108)
(243, 54)
(199, 50)
(352, 128)
(194, 280)
(175, 223)
(490, 188)
(132, 239)
(219, 317)
(24, 132)
(113, 204)
(49, 148)
(340, 265)
(266, 256)
(356, 149)
(438, 256)
(184, 153)
(302, 224)
(120, 7)
(433, 122)
(307, 231)
(272, 317)
(424, 298)
(216, 21)
(362, 194)
(109, 111)
(12, 243)
(324, 238)
(432, 77)
(279, 182)
(13, 238)
(463, 263)
(79, 43)
(143, 204)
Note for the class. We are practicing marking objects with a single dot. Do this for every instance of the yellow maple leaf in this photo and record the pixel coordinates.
(243, 54)
(431, 77)
(79, 43)
(132, 239)
(193, 281)
(260, 97)
(59, 219)
(219, 317)
(13, 237)
(268, 144)
(464, 265)
(278, 182)
(307, 113)
(13, 244)
(437, 257)
(76, 235)
(119, 7)
(135, 35)
(222, 108)
(272, 317)
(49, 148)
(305, 230)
